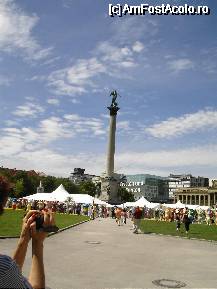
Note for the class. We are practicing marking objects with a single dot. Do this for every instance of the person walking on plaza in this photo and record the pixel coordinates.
(124, 216)
(118, 216)
(137, 215)
(186, 221)
(178, 220)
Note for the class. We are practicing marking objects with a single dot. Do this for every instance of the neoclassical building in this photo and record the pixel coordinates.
(197, 196)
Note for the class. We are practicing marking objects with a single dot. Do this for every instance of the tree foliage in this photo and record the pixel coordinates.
(125, 195)
(23, 183)
(88, 187)
(19, 188)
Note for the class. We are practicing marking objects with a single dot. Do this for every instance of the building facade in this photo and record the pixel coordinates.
(183, 181)
(79, 176)
(197, 196)
(153, 188)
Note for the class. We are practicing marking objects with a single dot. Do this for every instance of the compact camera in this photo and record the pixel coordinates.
(39, 219)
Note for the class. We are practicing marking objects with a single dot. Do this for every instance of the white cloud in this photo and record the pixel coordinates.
(111, 53)
(123, 125)
(16, 31)
(53, 101)
(162, 162)
(93, 126)
(180, 64)
(28, 110)
(130, 29)
(137, 46)
(188, 158)
(53, 128)
(184, 124)
(76, 79)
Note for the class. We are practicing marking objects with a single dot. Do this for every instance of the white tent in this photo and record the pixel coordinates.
(109, 206)
(129, 204)
(178, 205)
(99, 202)
(203, 207)
(192, 207)
(38, 197)
(153, 205)
(82, 198)
(141, 202)
(60, 194)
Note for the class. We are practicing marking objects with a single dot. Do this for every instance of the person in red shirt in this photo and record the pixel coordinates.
(137, 215)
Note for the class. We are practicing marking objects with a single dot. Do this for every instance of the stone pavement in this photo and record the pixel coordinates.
(99, 254)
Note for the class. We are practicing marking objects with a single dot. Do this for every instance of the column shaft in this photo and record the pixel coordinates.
(111, 146)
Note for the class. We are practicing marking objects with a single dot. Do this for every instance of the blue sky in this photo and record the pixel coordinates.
(59, 61)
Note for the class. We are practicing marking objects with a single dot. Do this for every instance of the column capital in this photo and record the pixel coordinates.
(113, 109)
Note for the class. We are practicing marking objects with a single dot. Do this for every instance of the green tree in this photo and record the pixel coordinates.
(125, 195)
(68, 185)
(19, 188)
(49, 183)
(88, 187)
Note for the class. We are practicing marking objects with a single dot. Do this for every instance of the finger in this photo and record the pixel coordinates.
(33, 228)
(30, 220)
(46, 219)
(29, 214)
(52, 221)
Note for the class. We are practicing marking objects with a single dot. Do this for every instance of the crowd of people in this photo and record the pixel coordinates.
(13, 266)
(208, 215)
(179, 216)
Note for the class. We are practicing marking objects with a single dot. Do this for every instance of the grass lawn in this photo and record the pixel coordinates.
(199, 231)
(10, 221)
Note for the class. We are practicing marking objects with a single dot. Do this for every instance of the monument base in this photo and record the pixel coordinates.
(109, 189)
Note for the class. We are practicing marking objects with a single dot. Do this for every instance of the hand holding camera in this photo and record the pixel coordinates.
(44, 222)
(37, 224)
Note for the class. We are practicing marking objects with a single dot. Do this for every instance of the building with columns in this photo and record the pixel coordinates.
(201, 196)
(183, 181)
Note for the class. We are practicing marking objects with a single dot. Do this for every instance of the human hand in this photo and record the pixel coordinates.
(41, 234)
(26, 226)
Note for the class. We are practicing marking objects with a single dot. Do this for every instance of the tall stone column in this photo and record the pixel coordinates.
(111, 141)
(110, 180)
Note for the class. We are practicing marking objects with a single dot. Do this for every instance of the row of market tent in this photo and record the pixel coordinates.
(61, 195)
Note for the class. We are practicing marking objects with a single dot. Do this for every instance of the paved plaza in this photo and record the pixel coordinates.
(99, 254)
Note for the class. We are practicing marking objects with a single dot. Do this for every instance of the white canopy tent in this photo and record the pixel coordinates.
(99, 202)
(38, 197)
(141, 202)
(82, 198)
(153, 205)
(203, 207)
(129, 204)
(178, 205)
(192, 207)
(60, 194)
